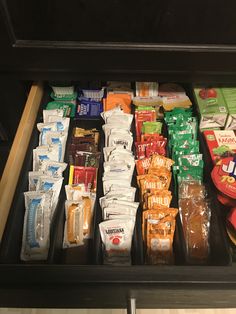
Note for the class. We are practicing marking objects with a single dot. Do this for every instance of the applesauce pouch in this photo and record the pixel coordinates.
(73, 231)
(88, 215)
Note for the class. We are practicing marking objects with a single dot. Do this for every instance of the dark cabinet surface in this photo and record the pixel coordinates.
(164, 40)
(171, 40)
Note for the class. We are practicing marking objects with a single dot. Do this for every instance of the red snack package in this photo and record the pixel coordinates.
(151, 137)
(147, 149)
(86, 175)
(154, 148)
(143, 116)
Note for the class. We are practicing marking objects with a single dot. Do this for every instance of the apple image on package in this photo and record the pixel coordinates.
(207, 93)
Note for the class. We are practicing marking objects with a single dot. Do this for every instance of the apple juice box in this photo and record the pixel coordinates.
(229, 94)
(212, 108)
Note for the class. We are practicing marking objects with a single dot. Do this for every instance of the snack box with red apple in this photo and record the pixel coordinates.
(212, 107)
(220, 143)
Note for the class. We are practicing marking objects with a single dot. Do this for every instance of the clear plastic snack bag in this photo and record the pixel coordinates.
(36, 231)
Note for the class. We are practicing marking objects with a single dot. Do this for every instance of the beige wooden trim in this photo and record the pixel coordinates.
(18, 150)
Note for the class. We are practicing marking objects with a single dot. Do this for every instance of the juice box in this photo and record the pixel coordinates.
(221, 143)
(229, 94)
(212, 108)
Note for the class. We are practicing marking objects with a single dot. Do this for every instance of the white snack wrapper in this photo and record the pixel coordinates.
(57, 138)
(33, 177)
(117, 239)
(51, 112)
(53, 168)
(108, 183)
(42, 153)
(46, 183)
(106, 114)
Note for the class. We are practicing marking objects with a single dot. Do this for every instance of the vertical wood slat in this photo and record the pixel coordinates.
(18, 150)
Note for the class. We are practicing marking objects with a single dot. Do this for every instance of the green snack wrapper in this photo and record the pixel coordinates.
(68, 108)
(69, 98)
(191, 160)
(151, 127)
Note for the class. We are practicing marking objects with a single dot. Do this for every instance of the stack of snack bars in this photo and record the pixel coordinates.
(118, 205)
(188, 176)
(154, 177)
(45, 181)
(81, 191)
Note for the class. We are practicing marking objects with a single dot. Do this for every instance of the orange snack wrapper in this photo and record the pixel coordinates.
(118, 99)
(161, 161)
(163, 175)
(159, 228)
(75, 224)
(142, 165)
(158, 198)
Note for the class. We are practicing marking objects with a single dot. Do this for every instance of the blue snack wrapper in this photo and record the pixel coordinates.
(88, 108)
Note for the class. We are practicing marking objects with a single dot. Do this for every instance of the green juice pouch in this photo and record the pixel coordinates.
(67, 107)
(150, 127)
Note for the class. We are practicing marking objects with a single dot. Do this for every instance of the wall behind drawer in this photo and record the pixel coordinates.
(106, 311)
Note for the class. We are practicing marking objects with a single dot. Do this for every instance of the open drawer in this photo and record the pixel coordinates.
(63, 281)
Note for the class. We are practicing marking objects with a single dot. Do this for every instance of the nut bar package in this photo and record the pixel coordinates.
(195, 214)
(86, 175)
(86, 159)
(158, 234)
(94, 133)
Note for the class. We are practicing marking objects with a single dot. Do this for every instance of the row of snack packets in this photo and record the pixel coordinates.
(188, 174)
(118, 203)
(81, 191)
(45, 183)
(154, 178)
